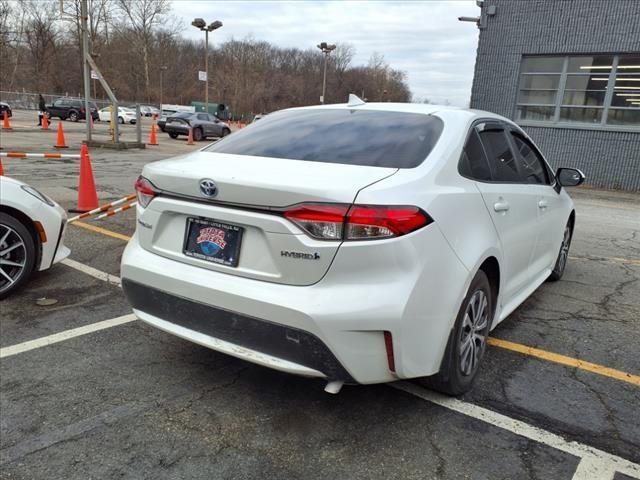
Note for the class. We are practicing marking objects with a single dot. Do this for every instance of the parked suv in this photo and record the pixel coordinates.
(203, 124)
(72, 109)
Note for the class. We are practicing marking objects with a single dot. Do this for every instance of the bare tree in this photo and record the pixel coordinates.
(143, 18)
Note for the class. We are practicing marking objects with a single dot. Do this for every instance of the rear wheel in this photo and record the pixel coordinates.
(17, 254)
(563, 255)
(225, 132)
(197, 134)
(73, 116)
(467, 341)
(173, 135)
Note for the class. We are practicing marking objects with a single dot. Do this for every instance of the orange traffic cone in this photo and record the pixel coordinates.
(60, 143)
(6, 125)
(152, 134)
(45, 122)
(87, 195)
(190, 138)
(1, 169)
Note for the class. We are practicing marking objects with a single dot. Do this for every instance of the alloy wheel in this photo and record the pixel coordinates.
(564, 249)
(473, 335)
(13, 257)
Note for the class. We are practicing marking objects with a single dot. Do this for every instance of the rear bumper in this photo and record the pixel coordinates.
(176, 128)
(260, 341)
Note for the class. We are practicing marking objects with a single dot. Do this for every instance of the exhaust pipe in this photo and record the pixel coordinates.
(334, 386)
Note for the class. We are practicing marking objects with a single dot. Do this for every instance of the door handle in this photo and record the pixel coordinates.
(501, 206)
(543, 204)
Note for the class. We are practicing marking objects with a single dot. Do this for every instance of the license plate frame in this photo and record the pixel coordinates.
(224, 249)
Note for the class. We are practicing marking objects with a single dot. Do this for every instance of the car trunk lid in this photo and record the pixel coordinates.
(252, 193)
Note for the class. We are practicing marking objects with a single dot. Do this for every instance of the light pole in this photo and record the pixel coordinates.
(202, 25)
(162, 70)
(326, 49)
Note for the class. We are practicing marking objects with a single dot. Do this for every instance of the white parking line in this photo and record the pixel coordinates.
(66, 335)
(594, 464)
(100, 275)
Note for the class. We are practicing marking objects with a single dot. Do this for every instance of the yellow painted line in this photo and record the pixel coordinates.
(101, 230)
(629, 261)
(568, 361)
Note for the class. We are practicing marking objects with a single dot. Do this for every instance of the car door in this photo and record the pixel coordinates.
(56, 108)
(203, 121)
(217, 125)
(551, 208)
(512, 207)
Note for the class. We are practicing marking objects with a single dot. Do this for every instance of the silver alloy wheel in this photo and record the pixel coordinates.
(472, 336)
(13, 257)
(564, 250)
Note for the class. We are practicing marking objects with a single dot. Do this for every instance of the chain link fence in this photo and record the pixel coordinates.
(29, 101)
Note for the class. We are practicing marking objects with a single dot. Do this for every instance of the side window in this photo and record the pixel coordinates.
(58, 103)
(473, 163)
(203, 116)
(531, 163)
(500, 156)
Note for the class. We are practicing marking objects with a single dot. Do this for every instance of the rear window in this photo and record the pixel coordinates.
(354, 137)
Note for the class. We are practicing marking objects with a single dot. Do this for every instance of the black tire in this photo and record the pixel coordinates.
(161, 128)
(225, 132)
(197, 135)
(73, 116)
(173, 135)
(563, 254)
(457, 376)
(121, 120)
(26, 256)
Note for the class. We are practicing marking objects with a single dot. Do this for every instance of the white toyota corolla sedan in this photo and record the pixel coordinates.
(359, 243)
(31, 233)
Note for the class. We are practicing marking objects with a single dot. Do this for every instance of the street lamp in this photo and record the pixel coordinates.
(326, 49)
(200, 24)
(163, 68)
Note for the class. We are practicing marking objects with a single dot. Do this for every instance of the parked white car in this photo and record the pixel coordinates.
(31, 233)
(359, 243)
(125, 115)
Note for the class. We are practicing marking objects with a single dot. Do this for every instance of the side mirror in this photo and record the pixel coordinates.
(570, 177)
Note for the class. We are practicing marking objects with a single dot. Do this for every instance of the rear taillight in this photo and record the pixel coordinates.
(357, 222)
(145, 191)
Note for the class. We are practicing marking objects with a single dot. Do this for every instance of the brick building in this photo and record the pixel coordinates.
(568, 72)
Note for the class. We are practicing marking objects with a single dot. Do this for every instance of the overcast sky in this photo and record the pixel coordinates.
(422, 38)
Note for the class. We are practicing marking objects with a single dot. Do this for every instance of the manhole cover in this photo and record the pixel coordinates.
(45, 302)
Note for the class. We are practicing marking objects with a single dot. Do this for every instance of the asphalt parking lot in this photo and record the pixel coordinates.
(129, 401)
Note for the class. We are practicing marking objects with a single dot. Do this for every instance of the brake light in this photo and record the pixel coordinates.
(357, 222)
(145, 191)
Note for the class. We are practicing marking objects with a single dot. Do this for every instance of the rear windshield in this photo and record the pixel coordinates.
(354, 137)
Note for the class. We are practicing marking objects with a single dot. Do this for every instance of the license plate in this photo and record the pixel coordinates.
(213, 241)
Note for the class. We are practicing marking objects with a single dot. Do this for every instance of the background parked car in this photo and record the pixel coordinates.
(125, 115)
(5, 107)
(163, 118)
(149, 110)
(203, 124)
(66, 108)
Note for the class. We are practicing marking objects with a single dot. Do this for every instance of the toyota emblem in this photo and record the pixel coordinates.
(208, 188)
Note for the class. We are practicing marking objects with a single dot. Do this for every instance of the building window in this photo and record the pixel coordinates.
(598, 90)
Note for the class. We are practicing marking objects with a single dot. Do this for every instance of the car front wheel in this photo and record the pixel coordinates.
(467, 341)
(173, 135)
(73, 116)
(17, 254)
(197, 134)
